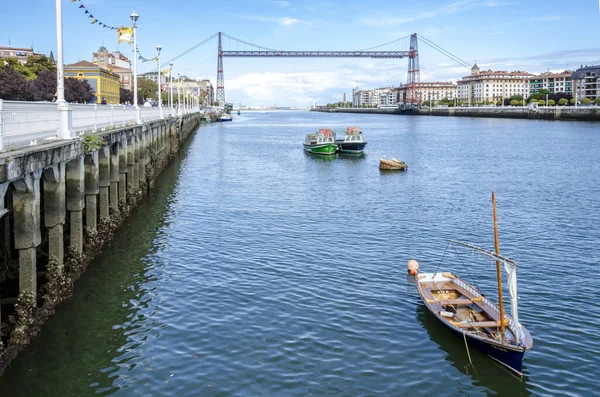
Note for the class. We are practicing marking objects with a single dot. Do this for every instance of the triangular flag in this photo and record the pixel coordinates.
(87, 12)
(73, 1)
(82, 6)
(94, 21)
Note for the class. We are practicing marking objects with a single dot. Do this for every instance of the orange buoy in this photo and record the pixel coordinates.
(413, 267)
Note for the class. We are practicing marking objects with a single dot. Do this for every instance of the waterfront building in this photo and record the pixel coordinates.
(154, 77)
(552, 82)
(208, 92)
(587, 82)
(115, 62)
(433, 90)
(20, 53)
(491, 86)
(377, 97)
(104, 82)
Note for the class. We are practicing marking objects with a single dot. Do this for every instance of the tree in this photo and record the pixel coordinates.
(541, 102)
(597, 101)
(572, 101)
(514, 102)
(148, 89)
(78, 90)
(14, 86)
(39, 63)
(585, 101)
(45, 86)
(551, 102)
(563, 101)
(125, 96)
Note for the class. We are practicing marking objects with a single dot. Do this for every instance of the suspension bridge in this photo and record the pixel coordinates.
(251, 50)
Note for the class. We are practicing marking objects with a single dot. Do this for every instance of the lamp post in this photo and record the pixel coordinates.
(64, 113)
(134, 18)
(158, 48)
(171, 86)
(179, 94)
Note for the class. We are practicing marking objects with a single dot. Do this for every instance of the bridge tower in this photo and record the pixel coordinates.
(414, 75)
(220, 78)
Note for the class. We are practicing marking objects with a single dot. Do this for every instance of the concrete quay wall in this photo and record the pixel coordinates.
(541, 113)
(59, 203)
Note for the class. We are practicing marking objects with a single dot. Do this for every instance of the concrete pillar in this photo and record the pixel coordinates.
(136, 166)
(123, 168)
(104, 181)
(91, 191)
(114, 176)
(75, 186)
(143, 141)
(4, 220)
(131, 169)
(55, 210)
(26, 205)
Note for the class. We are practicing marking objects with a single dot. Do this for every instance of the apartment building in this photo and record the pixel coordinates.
(552, 82)
(586, 81)
(492, 86)
(117, 63)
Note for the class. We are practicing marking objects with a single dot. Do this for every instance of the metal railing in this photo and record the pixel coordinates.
(30, 123)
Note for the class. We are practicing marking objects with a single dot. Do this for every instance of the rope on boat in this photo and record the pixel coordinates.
(465, 266)
(467, 347)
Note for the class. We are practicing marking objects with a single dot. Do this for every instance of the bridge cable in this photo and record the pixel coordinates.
(444, 52)
(185, 52)
(381, 45)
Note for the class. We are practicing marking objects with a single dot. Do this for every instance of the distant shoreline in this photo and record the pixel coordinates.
(591, 113)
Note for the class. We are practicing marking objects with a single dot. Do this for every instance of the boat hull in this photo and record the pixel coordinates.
(323, 149)
(352, 147)
(390, 165)
(510, 358)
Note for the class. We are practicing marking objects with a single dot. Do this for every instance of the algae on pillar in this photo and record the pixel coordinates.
(91, 191)
(75, 203)
(26, 206)
(54, 211)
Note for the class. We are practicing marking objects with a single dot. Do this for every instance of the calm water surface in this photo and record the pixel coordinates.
(254, 269)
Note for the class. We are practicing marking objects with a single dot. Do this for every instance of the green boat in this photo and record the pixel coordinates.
(322, 142)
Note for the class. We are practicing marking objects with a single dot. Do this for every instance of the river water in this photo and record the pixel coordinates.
(254, 269)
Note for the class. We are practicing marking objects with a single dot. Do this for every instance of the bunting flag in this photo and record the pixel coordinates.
(145, 59)
(89, 14)
(124, 34)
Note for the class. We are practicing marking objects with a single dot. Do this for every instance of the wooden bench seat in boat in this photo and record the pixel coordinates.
(460, 301)
(479, 324)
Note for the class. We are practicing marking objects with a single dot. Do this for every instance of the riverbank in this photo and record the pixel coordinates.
(541, 113)
(60, 203)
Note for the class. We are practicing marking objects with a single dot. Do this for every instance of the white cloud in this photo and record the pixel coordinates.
(281, 3)
(285, 21)
(452, 8)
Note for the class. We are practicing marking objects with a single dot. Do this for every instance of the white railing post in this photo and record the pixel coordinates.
(1, 122)
(95, 117)
(112, 115)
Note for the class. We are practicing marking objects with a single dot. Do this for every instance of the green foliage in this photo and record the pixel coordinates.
(563, 101)
(92, 142)
(597, 101)
(572, 101)
(148, 89)
(551, 102)
(514, 102)
(541, 102)
(586, 101)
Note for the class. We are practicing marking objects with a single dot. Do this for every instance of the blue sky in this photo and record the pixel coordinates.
(530, 35)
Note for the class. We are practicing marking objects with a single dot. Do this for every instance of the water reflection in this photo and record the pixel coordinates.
(484, 371)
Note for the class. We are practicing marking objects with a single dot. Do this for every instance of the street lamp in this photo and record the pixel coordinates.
(171, 85)
(179, 93)
(134, 18)
(158, 48)
(64, 130)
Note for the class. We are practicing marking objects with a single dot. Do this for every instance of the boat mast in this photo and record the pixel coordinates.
(498, 273)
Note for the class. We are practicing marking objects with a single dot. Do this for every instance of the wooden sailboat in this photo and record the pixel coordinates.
(473, 317)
